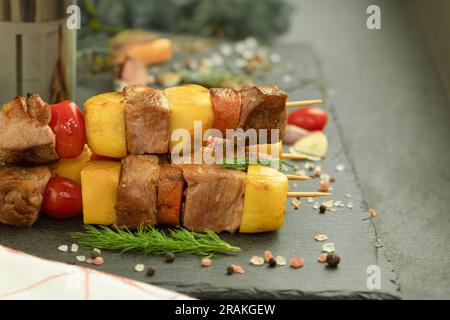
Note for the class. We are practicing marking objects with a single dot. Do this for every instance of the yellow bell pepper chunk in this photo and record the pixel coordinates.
(265, 200)
(105, 125)
(71, 168)
(100, 183)
(188, 104)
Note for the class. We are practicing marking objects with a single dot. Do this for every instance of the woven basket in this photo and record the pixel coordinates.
(38, 52)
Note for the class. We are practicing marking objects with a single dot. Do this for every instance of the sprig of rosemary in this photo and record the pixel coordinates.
(153, 241)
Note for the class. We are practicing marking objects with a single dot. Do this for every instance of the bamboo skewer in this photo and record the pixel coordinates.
(302, 104)
(293, 177)
(308, 194)
(292, 156)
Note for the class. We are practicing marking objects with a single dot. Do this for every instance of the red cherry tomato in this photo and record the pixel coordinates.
(62, 199)
(312, 119)
(68, 125)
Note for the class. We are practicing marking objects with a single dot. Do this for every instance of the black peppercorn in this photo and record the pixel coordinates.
(272, 262)
(95, 254)
(333, 260)
(170, 257)
(230, 270)
(151, 271)
(322, 209)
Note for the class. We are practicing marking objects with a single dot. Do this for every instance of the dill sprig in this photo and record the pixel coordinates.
(153, 241)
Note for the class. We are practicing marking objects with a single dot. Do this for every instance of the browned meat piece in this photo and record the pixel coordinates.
(170, 195)
(147, 116)
(136, 199)
(25, 137)
(21, 194)
(264, 107)
(215, 198)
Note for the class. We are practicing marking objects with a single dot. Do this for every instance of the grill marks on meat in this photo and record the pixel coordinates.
(264, 107)
(21, 195)
(215, 198)
(170, 195)
(137, 196)
(147, 116)
(25, 137)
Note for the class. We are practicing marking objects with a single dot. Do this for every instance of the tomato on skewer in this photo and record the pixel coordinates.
(312, 119)
(62, 199)
(68, 125)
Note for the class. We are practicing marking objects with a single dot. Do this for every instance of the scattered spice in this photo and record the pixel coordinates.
(328, 204)
(151, 271)
(272, 262)
(206, 263)
(338, 203)
(318, 172)
(95, 254)
(235, 269)
(350, 205)
(322, 209)
(296, 204)
(297, 262)
(281, 261)
(329, 247)
(321, 237)
(348, 195)
(310, 166)
(340, 168)
(256, 261)
(170, 257)
(311, 200)
(98, 261)
(324, 187)
(333, 179)
(139, 268)
(333, 260)
(63, 248)
(316, 205)
(74, 248)
(81, 258)
(322, 258)
(267, 256)
(373, 213)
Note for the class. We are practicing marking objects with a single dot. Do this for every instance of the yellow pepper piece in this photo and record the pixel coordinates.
(105, 125)
(100, 183)
(265, 200)
(71, 168)
(188, 104)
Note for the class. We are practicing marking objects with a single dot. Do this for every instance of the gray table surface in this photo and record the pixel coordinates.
(351, 230)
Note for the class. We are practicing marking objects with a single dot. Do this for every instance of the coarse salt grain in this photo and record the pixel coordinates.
(321, 237)
(310, 166)
(348, 195)
(97, 250)
(337, 203)
(340, 168)
(350, 205)
(329, 247)
(281, 261)
(328, 204)
(316, 205)
(139, 268)
(63, 248)
(296, 204)
(81, 258)
(311, 200)
(257, 261)
(74, 248)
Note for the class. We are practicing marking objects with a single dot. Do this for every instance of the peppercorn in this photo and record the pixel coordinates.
(323, 209)
(333, 179)
(170, 257)
(230, 270)
(151, 271)
(333, 260)
(95, 254)
(272, 262)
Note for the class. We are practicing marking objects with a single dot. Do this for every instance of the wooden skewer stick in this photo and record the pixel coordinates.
(292, 156)
(293, 177)
(308, 194)
(305, 103)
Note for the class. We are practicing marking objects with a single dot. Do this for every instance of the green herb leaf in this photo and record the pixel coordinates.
(153, 241)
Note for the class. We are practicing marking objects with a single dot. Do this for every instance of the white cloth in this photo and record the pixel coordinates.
(25, 277)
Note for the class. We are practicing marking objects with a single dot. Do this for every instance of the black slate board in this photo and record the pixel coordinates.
(350, 229)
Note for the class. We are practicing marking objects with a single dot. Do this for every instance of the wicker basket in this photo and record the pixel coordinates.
(37, 50)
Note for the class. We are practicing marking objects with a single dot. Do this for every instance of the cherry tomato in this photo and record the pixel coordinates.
(68, 125)
(62, 199)
(312, 119)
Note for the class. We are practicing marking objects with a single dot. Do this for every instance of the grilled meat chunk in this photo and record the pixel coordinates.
(264, 107)
(215, 198)
(137, 199)
(170, 195)
(25, 137)
(147, 116)
(21, 194)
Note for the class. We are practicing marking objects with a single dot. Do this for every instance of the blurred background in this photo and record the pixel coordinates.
(388, 90)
